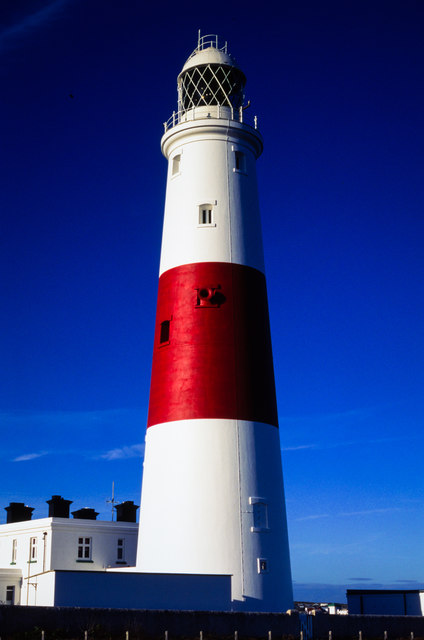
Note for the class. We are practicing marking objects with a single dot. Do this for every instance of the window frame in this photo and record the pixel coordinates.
(10, 590)
(206, 210)
(33, 549)
(176, 165)
(259, 512)
(120, 550)
(85, 549)
(14, 550)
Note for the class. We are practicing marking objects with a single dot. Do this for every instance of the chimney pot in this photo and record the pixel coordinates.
(18, 512)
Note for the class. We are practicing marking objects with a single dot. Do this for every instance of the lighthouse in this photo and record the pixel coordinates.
(212, 494)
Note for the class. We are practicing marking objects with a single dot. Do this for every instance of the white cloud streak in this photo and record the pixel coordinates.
(367, 512)
(33, 21)
(29, 456)
(318, 516)
(123, 453)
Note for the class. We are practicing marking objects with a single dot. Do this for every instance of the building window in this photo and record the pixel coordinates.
(260, 514)
(10, 594)
(33, 550)
(14, 551)
(120, 550)
(164, 332)
(239, 161)
(176, 164)
(84, 548)
(205, 214)
(262, 565)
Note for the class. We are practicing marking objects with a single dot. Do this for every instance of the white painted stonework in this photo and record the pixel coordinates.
(215, 492)
(208, 175)
(56, 548)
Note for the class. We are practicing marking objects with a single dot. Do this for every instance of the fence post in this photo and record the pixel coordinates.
(85, 635)
(42, 634)
(412, 635)
(127, 635)
(235, 635)
(269, 635)
(360, 635)
(385, 635)
(201, 635)
(330, 635)
(301, 634)
(166, 635)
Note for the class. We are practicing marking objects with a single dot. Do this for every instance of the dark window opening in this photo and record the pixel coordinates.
(164, 331)
(240, 161)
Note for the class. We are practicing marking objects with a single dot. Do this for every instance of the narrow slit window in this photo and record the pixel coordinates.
(205, 214)
(14, 550)
(33, 549)
(164, 331)
(120, 549)
(240, 161)
(176, 164)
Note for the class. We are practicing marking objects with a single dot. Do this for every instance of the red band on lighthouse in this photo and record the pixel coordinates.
(212, 355)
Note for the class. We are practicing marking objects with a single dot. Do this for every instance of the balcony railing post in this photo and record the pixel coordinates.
(240, 114)
(256, 121)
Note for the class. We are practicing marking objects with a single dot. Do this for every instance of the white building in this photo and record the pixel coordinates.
(32, 550)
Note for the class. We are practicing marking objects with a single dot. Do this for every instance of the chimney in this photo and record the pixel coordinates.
(58, 507)
(18, 512)
(86, 513)
(126, 511)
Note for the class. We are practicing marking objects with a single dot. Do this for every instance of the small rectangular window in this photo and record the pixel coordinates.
(84, 549)
(176, 163)
(205, 214)
(33, 549)
(260, 514)
(10, 594)
(164, 331)
(239, 161)
(262, 565)
(14, 550)
(120, 549)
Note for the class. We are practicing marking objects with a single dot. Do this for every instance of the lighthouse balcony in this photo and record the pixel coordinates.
(205, 112)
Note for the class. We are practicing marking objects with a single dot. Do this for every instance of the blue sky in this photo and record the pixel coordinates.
(338, 91)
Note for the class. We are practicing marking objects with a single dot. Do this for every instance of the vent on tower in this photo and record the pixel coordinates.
(58, 507)
(18, 512)
(126, 511)
(86, 513)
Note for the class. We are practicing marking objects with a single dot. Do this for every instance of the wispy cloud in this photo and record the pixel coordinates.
(317, 516)
(72, 418)
(361, 579)
(341, 444)
(29, 456)
(122, 453)
(367, 512)
(49, 13)
(362, 412)
(300, 446)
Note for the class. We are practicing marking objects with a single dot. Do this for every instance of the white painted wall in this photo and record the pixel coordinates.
(207, 175)
(199, 476)
(58, 549)
(13, 578)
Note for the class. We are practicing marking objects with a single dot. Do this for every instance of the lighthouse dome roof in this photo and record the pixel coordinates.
(211, 55)
(210, 77)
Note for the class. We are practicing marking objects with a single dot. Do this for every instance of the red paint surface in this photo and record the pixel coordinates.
(218, 361)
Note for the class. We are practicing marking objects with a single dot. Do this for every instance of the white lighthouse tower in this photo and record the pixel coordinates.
(212, 498)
